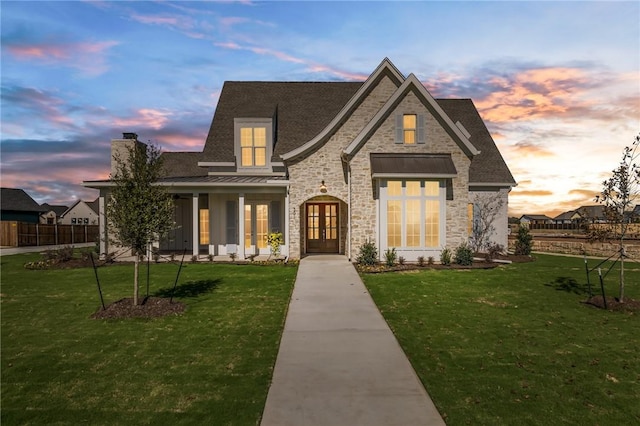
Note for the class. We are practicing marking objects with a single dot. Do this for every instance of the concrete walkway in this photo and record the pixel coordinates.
(6, 251)
(339, 363)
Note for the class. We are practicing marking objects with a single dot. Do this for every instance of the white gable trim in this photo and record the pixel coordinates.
(411, 83)
(385, 65)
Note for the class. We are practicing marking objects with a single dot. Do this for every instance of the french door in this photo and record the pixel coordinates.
(322, 227)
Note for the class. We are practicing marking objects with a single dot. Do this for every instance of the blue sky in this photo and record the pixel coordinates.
(558, 83)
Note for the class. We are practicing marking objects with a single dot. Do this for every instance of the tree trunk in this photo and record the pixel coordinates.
(136, 268)
(622, 256)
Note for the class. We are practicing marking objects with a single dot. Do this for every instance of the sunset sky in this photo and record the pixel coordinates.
(557, 83)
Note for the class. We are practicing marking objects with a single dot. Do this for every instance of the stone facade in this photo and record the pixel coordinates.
(325, 164)
(500, 223)
(438, 141)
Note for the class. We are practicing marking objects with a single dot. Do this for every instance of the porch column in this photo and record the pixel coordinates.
(102, 225)
(212, 248)
(241, 226)
(287, 242)
(196, 225)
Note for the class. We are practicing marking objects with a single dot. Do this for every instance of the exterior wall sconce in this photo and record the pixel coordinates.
(323, 187)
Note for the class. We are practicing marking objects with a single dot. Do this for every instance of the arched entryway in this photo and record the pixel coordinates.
(323, 221)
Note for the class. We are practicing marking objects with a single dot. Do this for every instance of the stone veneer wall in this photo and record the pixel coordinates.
(438, 141)
(325, 163)
(580, 248)
(501, 224)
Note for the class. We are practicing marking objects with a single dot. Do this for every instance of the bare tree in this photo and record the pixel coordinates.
(485, 212)
(139, 211)
(619, 194)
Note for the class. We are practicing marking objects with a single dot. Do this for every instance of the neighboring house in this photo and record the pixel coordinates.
(535, 219)
(51, 215)
(81, 213)
(592, 214)
(17, 205)
(332, 165)
(567, 218)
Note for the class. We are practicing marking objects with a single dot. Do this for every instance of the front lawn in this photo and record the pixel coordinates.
(210, 365)
(515, 345)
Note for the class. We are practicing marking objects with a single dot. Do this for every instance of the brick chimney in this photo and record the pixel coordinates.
(120, 148)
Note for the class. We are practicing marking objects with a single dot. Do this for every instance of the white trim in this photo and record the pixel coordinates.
(275, 183)
(195, 228)
(241, 253)
(463, 129)
(384, 65)
(497, 184)
(216, 164)
(102, 225)
(411, 82)
(246, 172)
(286, 224)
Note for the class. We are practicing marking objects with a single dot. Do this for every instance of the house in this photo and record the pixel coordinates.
(567, 218)
(51, 214)
(535, 219)
(17, 205)
(332, 165)
(592, 214)
(81, 213)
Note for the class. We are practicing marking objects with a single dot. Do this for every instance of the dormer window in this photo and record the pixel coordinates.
(253, 143)
(253, 147)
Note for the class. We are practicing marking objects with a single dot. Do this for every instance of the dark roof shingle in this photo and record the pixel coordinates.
(18, 200)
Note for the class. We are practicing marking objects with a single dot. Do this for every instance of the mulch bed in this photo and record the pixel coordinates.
(381, 267)
(152, 307)
(613, 304)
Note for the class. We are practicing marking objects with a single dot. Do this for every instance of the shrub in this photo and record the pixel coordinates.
(210, 257)
(420, 260)
(445, 256)
(368, 254)
(524, 241)
(492, 251)
(233, 256)
(63, 254)
(275, 240)
(401, 260)
(430, 260)
(390, 256)
(194, 259)
(464, 255)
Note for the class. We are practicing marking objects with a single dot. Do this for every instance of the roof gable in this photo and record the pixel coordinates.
(412, 84)
(386, 68)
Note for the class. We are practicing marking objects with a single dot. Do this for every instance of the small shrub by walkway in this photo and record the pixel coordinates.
(211, 364)
(516, 344)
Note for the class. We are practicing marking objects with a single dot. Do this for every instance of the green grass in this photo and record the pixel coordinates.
(211, 365)
(515, 345)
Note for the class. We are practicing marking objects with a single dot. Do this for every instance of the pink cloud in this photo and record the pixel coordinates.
(85, 56)
(145, 117)
(534, 94)
(312, 67)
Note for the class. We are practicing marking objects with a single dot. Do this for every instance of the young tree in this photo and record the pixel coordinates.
(618, 195)
(485, 212)
(139, 211)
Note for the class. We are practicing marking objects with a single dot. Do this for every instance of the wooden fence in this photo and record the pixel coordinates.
(20, 234)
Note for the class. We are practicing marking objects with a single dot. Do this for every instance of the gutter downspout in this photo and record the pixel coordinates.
(345, 159)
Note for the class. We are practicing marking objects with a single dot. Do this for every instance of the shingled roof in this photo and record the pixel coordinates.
(488, 167)
(17, 200)
(302, 109)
